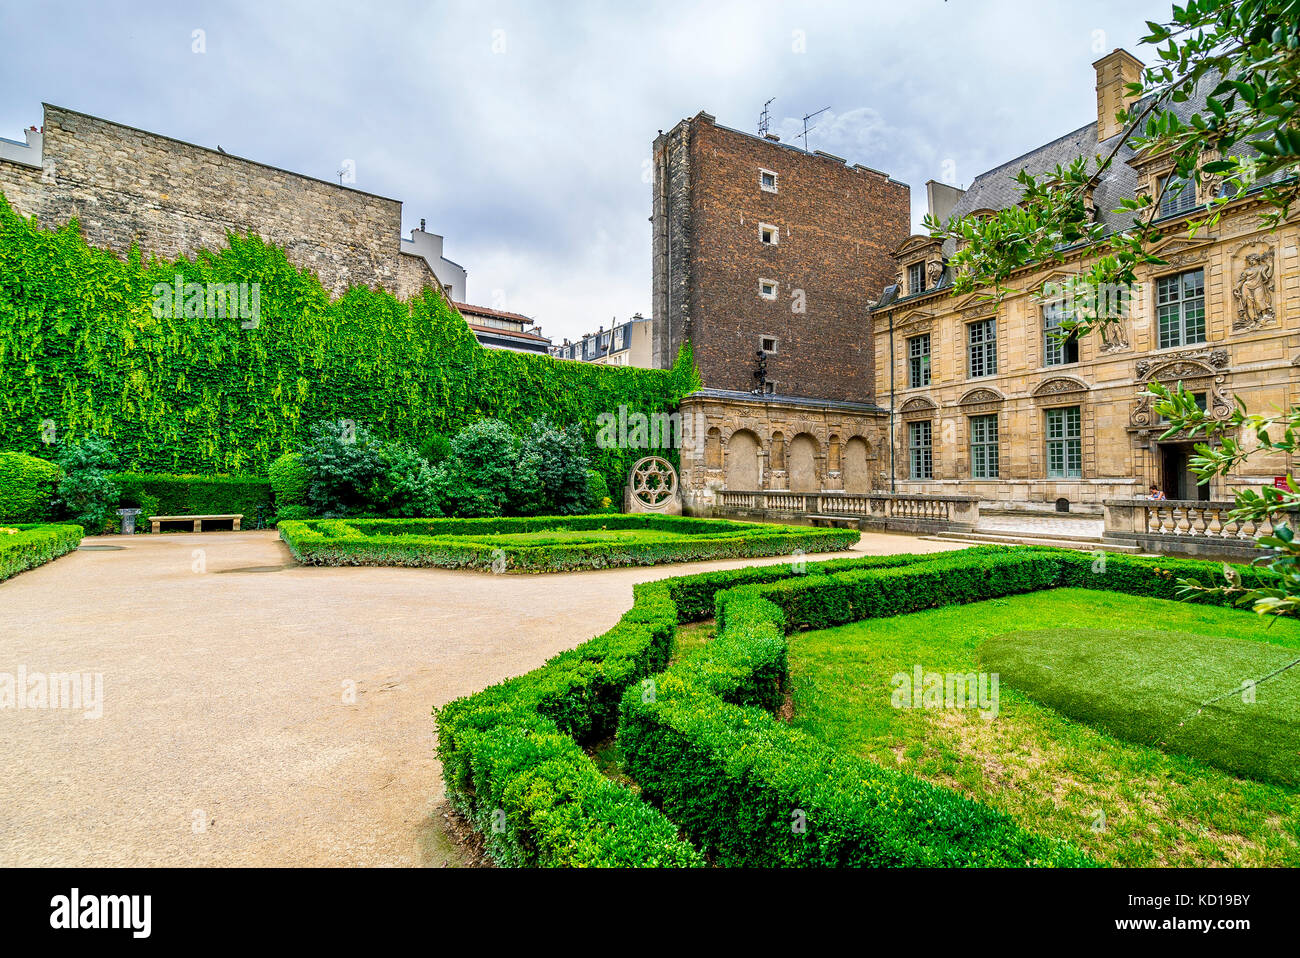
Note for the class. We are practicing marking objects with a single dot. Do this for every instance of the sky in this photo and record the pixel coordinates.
(521, 131)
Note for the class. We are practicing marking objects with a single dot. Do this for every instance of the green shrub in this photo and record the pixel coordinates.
(290, 480)
(477, 477)
(435, 448)
(551, 475)
(27, 487)
(706, 749)
(598, 497)
(87, 493)
(26, 546)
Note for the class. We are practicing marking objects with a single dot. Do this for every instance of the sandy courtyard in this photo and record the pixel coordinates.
(257, 712)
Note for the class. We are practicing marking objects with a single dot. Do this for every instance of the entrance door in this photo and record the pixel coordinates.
(1176, 477)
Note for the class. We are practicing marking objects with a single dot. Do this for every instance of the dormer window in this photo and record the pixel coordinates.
(1177, 195)
(916, 278)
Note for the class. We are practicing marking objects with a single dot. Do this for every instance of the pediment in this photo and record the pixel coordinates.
(1059, 386)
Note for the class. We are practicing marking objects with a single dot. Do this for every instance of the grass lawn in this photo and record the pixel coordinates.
(1164, 689)
(1123, 802)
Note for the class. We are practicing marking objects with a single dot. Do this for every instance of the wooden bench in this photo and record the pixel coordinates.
(157, 521)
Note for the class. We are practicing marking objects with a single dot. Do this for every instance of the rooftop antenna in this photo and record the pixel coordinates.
(807, 128)
(764, 118)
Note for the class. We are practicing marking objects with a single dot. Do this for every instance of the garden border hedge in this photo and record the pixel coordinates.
(35, 544)
(169, 494)
(539, 799)
(408, 542)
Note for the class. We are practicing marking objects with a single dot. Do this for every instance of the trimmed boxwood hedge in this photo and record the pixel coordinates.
(163, 494)
(27, 487)
(468, 543)
(701, 742)
(34, 545)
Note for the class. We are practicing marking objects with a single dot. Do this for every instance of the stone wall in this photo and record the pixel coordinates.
(744, 443)
(126, 185)
(836, 227)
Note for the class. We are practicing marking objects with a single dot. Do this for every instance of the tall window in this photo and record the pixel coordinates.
(984, 447)
(1058, 350)
(982, 348)
(918, 361)
(1180, 308)
(918, 443)
(916, 278)
(1178, 196)
(1064, 443)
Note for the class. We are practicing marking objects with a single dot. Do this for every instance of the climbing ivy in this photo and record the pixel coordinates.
(84, 350)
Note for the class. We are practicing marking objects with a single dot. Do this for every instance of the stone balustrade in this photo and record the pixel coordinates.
(1185, 525)
(876, 510)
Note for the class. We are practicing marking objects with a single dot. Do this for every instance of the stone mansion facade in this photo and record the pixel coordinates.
(990, 401)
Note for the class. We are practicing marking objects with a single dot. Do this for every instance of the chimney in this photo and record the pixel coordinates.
(1114, 71)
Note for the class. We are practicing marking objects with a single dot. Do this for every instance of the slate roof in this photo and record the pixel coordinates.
(997, 188)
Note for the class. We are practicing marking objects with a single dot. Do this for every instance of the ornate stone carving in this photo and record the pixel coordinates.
(1213, 358)
(979, 396)
(1114, 336)
(1253, 291)
(1061, 386)
(933, 273)
(652, 487)
(918, 407)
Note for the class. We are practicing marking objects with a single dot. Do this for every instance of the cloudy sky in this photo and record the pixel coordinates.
(522, 130)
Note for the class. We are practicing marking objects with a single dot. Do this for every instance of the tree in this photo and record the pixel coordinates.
(1245, 56)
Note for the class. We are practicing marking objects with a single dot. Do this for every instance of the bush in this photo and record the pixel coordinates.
(477, 476)
(290, 480)
(27, 487)
(435, 448)
(162, 494)
(551, 476)
(24, 547)
(87, 494)
(598, 497)
(346, 465)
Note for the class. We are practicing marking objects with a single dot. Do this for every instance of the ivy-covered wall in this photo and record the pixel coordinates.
(82, 350)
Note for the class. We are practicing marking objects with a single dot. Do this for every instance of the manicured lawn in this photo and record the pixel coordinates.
(1124, 803)
(1166, 689)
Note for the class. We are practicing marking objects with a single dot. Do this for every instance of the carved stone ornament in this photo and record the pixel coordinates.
(1253, 291)
(652, 486)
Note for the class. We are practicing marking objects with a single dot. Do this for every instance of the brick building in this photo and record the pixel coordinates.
(766, 258)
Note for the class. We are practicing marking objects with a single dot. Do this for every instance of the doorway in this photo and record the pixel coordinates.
(1176, 477)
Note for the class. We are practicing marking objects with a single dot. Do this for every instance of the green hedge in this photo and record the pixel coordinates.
(512, 765)
(751, 791)
(470, 543)
(168, 495)
(34, 545)
(700, 739)
(206, 395)
(27, 487)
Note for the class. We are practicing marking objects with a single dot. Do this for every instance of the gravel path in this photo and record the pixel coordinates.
(228, 736)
